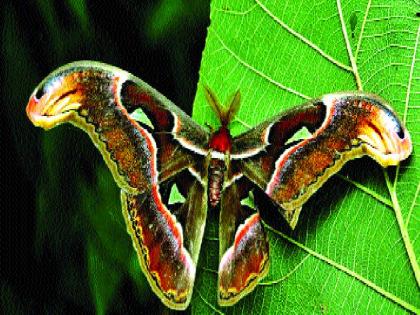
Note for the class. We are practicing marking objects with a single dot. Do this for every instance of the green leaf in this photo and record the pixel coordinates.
(106, 258)
(166, 15)
(355, 248)
(79, 9)
(100, 272)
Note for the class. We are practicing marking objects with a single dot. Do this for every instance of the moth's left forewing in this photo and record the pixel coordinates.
(164, 115)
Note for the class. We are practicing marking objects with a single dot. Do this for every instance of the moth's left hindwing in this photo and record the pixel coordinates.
(143, 156)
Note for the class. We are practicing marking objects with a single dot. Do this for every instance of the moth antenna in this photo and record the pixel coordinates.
(213, 101)
(221, 112)
(234, 103)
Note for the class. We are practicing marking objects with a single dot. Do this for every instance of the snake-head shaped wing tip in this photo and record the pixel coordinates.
(385, 137)
(57, 98)
(51, 110)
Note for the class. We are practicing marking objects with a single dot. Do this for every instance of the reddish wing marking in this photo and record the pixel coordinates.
(272, 135)
(166, 117)
(287, 154)
(344, 126)
(95, 108)
(259, 167)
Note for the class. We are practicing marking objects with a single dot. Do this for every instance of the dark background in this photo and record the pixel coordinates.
(62, 249)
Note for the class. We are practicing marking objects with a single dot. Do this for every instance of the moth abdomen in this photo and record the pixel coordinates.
(216, 176)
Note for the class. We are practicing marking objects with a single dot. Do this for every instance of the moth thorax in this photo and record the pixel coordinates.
(216, 174)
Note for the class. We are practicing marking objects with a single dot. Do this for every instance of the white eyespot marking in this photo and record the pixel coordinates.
(183, 141)
(217, 155)
(329, 100)
(266, 134)
(247, 154)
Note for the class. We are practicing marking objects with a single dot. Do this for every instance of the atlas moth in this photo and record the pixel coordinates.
(165, 149)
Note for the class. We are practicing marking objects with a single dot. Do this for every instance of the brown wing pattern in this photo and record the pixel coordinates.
(343, 126)
(142, 158)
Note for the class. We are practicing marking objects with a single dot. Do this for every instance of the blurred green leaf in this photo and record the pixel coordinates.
(50, 18)
(349, 252)
(79, 8)
(108, 248)
(101, 204)
(167, 14)
(104, 278)
(10, 301)
(77, 233)
(143, 289)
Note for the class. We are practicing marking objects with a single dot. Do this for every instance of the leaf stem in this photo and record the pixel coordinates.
(344, 269)
(303, 39)
(407, 96)
(209, 304)
(362, 30)
(258, 72)
(243, 123)
(287, 275)
(349, 50)
(403, 229)
(407, 221)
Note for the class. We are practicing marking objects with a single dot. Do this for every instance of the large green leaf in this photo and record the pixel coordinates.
(355, 248)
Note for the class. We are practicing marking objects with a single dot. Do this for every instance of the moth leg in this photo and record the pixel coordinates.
(291, 216)
(244, 249)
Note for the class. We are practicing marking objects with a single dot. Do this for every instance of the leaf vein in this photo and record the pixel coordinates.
(303, 39)
(348, 271)
(362, 30)
(287, 275)
(348, 46)
(258, 72)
